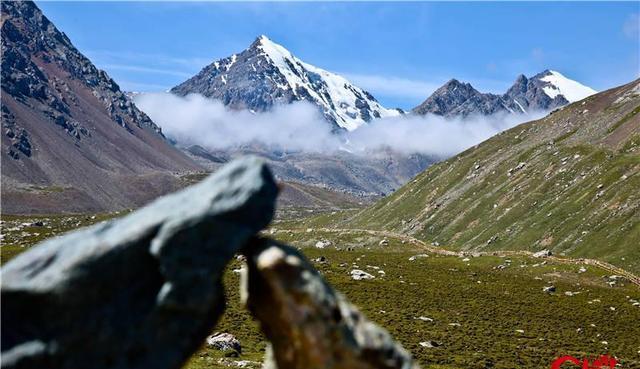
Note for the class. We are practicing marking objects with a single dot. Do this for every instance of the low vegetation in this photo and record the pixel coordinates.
(480, 311)
(568, 183)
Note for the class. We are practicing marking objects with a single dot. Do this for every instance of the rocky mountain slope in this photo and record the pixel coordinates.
(544, 91)
(71, 140)
(266, 74)
(568, 183)
(364, 176)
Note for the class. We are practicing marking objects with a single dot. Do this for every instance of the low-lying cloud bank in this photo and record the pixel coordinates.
(300, 127)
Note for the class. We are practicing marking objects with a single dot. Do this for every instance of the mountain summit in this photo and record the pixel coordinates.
(544, 91)
(267, 74)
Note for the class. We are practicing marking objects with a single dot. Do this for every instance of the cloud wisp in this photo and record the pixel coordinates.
(300, 127)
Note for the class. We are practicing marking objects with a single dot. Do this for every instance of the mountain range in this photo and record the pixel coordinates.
(543, 92)
(266, 74)
(73, 141)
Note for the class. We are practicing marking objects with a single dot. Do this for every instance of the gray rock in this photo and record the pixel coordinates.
(542, 254)
(359, 275)
(419, 256)
(459, 99)
(309, 324)
(322, 244)
(142, 291)
(224, 341)
(429, 344)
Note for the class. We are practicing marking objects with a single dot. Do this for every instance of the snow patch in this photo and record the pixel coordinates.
(340, 95)
(557, 84)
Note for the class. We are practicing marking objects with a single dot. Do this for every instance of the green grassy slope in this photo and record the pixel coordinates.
(569, 182)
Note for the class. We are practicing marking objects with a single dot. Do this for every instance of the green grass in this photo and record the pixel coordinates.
(18, 233)
(446, 289)
(585, 206)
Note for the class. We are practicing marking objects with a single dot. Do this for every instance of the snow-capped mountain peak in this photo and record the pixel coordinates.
(544, 91)
(557, 84)
(266, 74)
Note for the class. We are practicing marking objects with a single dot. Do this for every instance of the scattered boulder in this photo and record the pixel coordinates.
(224, 342)
(429, 344)
(424, 319)
(321, 260)
(359, 275)
(549, 289)
(542, 254)
(419, 256)
(384, 242)
(322, 244)
(239, 363)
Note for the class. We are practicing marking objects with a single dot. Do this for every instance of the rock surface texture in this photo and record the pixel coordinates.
(309, 324)
(547, 90)
(144, 291)
(266, 75)
(71, 140)
(139, 292)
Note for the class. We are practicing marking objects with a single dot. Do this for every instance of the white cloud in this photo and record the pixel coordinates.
(299, 127)
(197, 120)
(394, 86)
(631, 26)
(432, 135)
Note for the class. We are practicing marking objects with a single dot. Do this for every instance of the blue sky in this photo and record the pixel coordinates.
(400, 52)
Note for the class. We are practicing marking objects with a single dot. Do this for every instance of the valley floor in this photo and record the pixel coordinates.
(484, 311)
(481, 310)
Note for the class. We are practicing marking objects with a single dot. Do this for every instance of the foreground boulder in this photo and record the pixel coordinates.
(309, 324)
(138, 292)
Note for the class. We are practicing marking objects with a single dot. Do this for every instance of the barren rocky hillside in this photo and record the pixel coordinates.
(71, 140)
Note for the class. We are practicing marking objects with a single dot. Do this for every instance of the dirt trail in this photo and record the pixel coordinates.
(441, 251)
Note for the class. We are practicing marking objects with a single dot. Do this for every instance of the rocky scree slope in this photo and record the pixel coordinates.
(372, 174)
(71, 140)
(568, 182)
(267, 74)
(544, 91)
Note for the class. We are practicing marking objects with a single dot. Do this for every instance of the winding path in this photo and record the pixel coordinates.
(441, 251)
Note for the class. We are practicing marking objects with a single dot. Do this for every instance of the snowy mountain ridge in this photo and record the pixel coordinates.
(266, 74)
(557, 84)
(545, 91)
